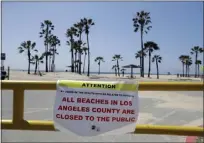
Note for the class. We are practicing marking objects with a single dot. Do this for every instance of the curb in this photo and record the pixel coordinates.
(192, 139)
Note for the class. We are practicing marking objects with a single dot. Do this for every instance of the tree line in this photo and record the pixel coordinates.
(187, 61)
(80, 50)
(142, 23)
(51, 42)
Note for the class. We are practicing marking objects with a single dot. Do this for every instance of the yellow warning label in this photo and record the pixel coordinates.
(98, 85)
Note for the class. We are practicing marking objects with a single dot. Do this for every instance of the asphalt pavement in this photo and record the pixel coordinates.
(161, 108)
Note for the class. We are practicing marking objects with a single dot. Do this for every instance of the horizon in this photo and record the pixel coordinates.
(176, 32)
(94, 72)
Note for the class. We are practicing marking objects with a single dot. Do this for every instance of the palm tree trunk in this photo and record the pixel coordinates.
(72, 55)
(72, 60)
(36, 66)
(80, 55)
(141, 66)
(46, 50)
(99, 68)
(198, 70)
(46, 58)
(118, 68)
(157, 69)
(142, 59)
(88, 72)
(28, 61)
(196, 56)
(49, 63)
(77, 69)
(84, 63)
(53, 59)
(79, 62)
(183, 69)
(149, 64)
(75, 66)
(115, 71)
(186, 69)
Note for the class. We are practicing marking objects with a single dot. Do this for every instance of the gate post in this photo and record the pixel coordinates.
(18, 105)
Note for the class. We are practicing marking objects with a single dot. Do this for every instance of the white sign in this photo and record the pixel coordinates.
(89, 108)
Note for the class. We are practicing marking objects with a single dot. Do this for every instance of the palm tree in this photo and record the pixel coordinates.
(142, 22)
(196, 50)
(99, 60)
(149, 47)
(76, 48)
(182, 58)
(87, 24)
(80, 52)
(46, 32)
(198, 63)
(115, 68)
(80, 29)
(188, 64)
(49, 52)
(139, 54)
(85, 53)
(70, 33)
(187, 61)
(117, 58)
(54, 43)
(37, 60)
(77, 62)
(157, 59)
(27, 47)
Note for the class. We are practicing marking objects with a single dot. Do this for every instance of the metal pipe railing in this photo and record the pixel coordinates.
(140, 129)
(143, 86)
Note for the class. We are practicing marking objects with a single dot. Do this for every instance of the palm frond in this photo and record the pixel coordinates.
(33, 45)
(21, 51)
(142, 20)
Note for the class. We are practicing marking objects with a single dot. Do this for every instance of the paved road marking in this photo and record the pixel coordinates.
(37, 110)
(197, 122)
(163, 117)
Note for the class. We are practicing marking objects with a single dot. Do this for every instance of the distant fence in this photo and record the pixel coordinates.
(19, 123)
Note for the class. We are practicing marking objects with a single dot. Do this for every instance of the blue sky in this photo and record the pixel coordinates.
(177, 27)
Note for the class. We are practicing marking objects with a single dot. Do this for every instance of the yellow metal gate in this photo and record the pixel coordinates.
(19, 123)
